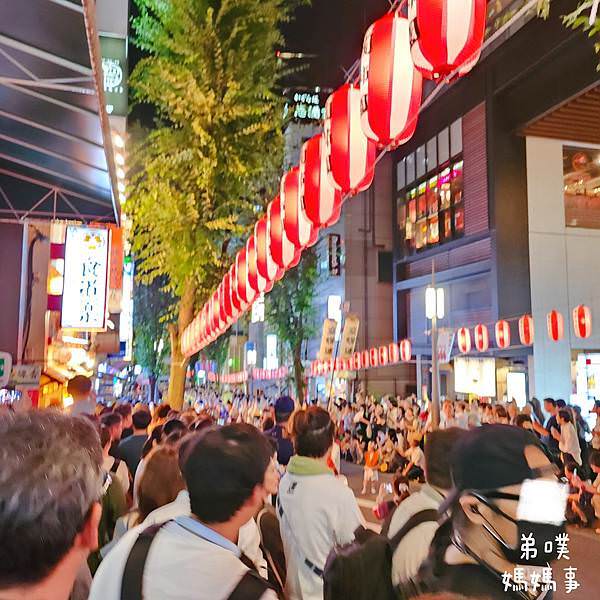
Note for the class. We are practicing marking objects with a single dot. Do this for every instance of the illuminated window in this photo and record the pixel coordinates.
(581, 172)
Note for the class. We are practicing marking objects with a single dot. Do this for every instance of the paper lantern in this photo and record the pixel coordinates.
(384, 357)
(446, 35)
(356, 361)
(338, 364)
(350, 153)
(243, 291)
(298, 229)
(482, 337)
(393, 352)
(284, 253)
(322, 202)
(582, 321)
(502, 334)
(390, 85)
(556, 325)
(255, 280)
(227, 297)
(405, 350)
(526, 330)
(463, 339)
(365, 359)
(267, 268)
(373, 357)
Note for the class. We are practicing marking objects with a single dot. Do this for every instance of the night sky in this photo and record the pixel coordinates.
(334, 30)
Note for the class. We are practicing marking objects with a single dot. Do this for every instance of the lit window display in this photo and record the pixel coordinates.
(581, 172)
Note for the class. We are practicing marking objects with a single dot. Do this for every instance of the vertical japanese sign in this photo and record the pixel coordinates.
(349, 336)
(328, 339)
(334, 252)
(114, 70)
(126, 324)
(85, 279)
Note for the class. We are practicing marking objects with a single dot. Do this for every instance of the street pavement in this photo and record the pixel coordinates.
(584, 544)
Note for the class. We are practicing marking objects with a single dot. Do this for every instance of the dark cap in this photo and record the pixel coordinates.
(491, 457)
(284, 407)
(596, 407)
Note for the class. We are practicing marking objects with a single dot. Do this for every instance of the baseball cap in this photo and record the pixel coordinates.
(490, 457)
(284, 407)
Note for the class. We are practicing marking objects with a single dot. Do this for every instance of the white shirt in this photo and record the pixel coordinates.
(320, 511)
(414, 547)
(181, 565)
(122, 474)
(569, 444)
(248, 537)
(416, 457)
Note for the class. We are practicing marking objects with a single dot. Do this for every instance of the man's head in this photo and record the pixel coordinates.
(125, 411)
(550, 405)
(141, 419)
(79, 387)
(439, 446)
(489, 467)
(284, 407)
(229, 472)
(114, 422)
(312, 432)
(564, 416)
(50, 486)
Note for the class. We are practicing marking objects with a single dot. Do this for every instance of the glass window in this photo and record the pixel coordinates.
(421, 162)
(444, 186)
(410, 168)
(581, 172)
(456, 137)
(433, 234)
(432, 161)
(432, 196)
(401, 216)
(401, 174)
(443, 146)
(459, 220)
(457, 182)
(421, 234)
(422, 201)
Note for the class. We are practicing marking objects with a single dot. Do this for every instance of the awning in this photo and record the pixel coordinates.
(56, 153)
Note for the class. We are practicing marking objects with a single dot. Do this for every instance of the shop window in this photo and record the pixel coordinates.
(443, 146)
(456, 137)
(421, 161)
(432, 161)
(384, 267)
(410, 168)
(581, 172)
(401, 174)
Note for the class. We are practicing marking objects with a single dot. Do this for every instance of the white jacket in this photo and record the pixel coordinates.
(320, 512)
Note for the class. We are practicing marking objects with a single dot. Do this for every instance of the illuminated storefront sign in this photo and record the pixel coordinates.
(114, 70)
(305, 106)
(85, 279)
(126, 324)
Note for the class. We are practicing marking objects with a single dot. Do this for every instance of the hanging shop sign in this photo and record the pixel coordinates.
(334, 254)
(85, 279)
(349, 335)
(445, 343)
(5, 368)
(115, 75)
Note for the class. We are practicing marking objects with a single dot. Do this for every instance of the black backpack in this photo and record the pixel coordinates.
(362, 570)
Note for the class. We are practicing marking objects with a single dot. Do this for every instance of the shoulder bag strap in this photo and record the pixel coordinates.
(133, 574)
(422, 516)
(115, 466)
(385, 528)
(250, 587)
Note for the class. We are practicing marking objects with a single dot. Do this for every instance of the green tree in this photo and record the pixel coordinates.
(290, 312)
(211, 74)
(150, 333)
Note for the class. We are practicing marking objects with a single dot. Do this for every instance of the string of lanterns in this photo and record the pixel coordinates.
(435, 40)
(402, 352)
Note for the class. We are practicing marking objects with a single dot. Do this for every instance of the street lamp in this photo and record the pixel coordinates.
(434, 310)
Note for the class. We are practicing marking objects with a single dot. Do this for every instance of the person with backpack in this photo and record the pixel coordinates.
(414, 547)
(116, 467)
(316, 509)
(228, 472)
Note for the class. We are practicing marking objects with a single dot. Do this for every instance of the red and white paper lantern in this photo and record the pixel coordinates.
(446, 35)
(365, 359)
(384, 357)
(267, 267)
(390, 85)
(526, 330)
(350, 153)
(284, 253)
(298, 229)
(582, 321)
(393, 352)
(502, 334)
(482, 337)
(356, 361)
(374, 357)
(322, 201)
(255, 280)
(405, 350)
(463, 339)
(556, 325)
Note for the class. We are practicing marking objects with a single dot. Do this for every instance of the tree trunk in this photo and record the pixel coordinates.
(299, 374)
(178, 361)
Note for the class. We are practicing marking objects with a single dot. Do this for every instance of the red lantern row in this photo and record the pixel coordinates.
(269, 374)
(438, 37)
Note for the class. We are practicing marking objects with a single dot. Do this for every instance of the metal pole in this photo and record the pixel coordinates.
(435, 369)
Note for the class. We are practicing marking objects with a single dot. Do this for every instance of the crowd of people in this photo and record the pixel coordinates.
(239, 498)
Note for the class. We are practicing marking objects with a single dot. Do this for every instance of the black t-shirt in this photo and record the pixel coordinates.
(552, 443)
(130, 450)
